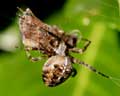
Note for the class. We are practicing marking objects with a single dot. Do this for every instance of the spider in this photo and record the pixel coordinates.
(54, 44)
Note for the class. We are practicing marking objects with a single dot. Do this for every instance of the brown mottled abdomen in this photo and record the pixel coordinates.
(56, 70)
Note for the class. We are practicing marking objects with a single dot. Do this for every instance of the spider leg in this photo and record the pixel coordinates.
(82, 50)
(74, 72)
(77, 34)
(90, 68)
(30, 57)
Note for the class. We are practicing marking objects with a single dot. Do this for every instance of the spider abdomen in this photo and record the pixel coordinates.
(56, 70)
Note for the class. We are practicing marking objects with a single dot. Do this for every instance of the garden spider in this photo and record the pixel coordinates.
(54, 44)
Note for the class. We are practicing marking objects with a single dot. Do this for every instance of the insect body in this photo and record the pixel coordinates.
(53, 43)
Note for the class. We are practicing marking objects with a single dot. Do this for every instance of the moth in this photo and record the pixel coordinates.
(55, 44)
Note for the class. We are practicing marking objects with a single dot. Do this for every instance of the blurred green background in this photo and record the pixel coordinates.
(97, 20)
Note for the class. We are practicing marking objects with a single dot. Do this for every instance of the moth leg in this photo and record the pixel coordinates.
(82, 50)
(30, 57)
(90, 68)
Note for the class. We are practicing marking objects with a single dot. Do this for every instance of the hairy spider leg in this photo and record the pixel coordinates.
(82, 50)
(116, 81)
(30, 57)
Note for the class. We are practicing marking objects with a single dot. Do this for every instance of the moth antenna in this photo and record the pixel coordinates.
(20, 9)
(116, 81)
(18, 15)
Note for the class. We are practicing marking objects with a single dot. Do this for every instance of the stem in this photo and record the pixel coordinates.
(119, 6)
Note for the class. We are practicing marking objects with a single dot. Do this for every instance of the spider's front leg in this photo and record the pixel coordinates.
(81, 50)
(30, 57)
(90, 67)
